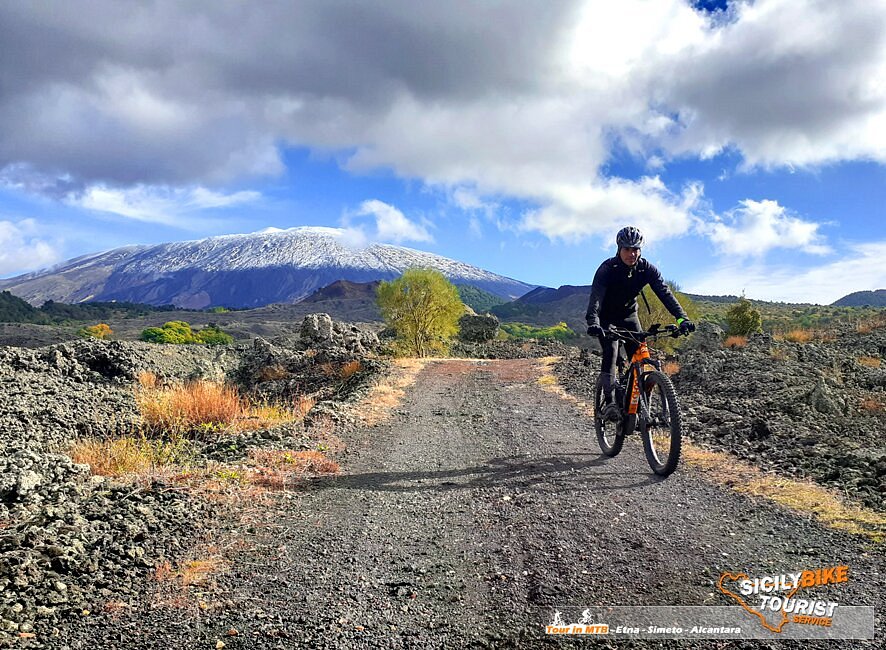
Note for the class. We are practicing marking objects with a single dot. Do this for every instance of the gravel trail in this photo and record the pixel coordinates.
(465, 519)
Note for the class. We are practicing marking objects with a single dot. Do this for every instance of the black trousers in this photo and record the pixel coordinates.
(609, 367)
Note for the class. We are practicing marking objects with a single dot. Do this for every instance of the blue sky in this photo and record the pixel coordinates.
(748, 140)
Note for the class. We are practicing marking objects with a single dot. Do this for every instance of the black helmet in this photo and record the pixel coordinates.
(629, 237)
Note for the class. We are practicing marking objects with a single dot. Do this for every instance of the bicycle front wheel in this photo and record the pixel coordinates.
(610, 435)
(660, 423)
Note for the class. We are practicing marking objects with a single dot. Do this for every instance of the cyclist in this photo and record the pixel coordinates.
(617, 283)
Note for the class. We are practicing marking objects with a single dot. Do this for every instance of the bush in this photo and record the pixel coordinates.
(559, 332)
(180, 332)
(101, 331)
(212, 335)
(423, 308)
(742, 319)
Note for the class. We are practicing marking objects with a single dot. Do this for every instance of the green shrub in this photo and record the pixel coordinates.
(212, 335)
(180, 332)
(742, 319)
(559, 332)
(423, 308)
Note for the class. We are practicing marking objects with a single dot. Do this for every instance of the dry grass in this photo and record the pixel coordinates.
(872, 405)
(349, 369)
(148, 380)
(868, 325)
(130, 455)
(735, 341)
(801, 335)
(778, 354)
(203, 407)
(389, 392)
(273, 373)
(315, 462)
(303, 405)
(801, 496)
(173, 585)
(869, 362)
(670, 367)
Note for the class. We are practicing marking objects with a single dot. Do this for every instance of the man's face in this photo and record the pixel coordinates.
(629, 255)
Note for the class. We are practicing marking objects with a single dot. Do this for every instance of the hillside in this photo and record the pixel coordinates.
(863, 299)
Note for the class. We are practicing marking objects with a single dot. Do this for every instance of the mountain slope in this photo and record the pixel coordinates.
(240, 270)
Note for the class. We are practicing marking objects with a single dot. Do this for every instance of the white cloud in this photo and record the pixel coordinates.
(23, 249)
(164, 205)
(392, 225)
(514, 100)
(756, 227)
(860, 269)
(578, 212)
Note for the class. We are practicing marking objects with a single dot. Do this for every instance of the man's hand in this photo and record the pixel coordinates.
(595, 331)
(686, 326)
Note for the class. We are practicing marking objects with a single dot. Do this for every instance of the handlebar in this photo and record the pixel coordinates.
(655, 331)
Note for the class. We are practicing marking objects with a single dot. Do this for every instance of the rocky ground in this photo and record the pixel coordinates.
(815, 410)
(460, 522)
(71, 542)
(467, 519)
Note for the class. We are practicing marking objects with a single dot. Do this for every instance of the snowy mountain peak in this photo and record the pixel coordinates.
(241, 270)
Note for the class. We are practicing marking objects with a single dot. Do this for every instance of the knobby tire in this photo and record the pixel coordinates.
(610, 438)
(663, 409)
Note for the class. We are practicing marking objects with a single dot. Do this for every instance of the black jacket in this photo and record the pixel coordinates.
(616, 287)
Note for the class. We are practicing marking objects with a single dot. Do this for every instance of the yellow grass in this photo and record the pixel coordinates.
(670, 367)
(129, 455)
(870, 362)
(735, 341)
(202, 407)
(801, 496)
(389, 391)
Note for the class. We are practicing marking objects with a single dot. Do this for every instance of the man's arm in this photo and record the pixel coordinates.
(664, 294)
(598, 292)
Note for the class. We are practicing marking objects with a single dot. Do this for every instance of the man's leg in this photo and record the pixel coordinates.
(607, 366)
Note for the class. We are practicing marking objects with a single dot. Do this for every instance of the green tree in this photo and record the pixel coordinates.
(423, 307)
(742, 319)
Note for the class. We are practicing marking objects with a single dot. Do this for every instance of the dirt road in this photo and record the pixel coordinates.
(479, 507)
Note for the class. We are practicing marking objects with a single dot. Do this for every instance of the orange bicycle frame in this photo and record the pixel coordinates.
(641, 357)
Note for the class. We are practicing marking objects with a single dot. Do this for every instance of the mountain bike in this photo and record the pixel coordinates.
(649, 403)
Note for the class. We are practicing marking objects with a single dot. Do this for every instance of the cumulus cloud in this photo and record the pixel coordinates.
(391, 225)
(756, 227)
(520, 100)
(21, 249)
(856, 270)
(164, 205)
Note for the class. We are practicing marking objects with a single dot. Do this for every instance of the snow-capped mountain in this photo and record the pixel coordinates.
(240, 270)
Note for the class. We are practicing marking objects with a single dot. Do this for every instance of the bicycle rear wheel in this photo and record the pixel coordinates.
(660, 423)
(610, 434)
